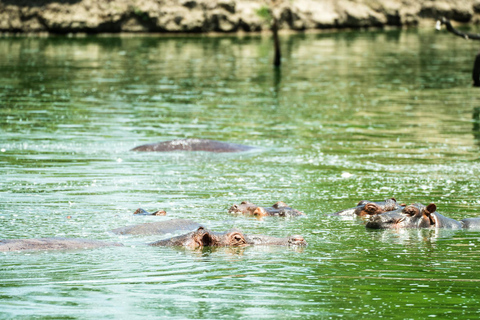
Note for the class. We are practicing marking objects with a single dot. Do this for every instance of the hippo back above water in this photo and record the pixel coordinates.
(193, 145)
(159, 227)
(52, 244)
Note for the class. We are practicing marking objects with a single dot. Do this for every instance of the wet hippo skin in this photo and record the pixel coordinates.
(159, 228)
(193, 145)
(52, 244)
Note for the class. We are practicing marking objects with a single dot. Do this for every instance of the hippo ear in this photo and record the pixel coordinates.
(280, 204)
(260, 212)
(392, 198)
(427, 211)
(431, 208)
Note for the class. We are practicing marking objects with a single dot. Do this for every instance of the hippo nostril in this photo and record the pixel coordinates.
(207, 240)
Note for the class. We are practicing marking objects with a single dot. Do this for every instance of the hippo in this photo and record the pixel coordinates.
(279, 209)
(203, 237)
(142, 212)
(52, 244)
(419, 216)
(366, 208)
(159, 227)
(193, 145)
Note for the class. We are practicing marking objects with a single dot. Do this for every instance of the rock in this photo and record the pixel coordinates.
(95, 16)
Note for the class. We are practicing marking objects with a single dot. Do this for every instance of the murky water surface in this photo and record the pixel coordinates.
(350, 116)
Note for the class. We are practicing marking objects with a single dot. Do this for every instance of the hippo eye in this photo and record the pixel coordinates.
(237, 240)
(235, 206)
(371, 208)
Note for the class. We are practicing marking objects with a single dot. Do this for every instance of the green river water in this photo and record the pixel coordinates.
(350, 116)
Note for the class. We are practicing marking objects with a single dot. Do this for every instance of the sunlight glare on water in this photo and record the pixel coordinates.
(350, 116)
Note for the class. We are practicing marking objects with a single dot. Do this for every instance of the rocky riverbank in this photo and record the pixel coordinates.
(200, 16)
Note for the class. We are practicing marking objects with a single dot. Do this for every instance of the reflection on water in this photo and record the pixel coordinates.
(350, 116)
(476, 124)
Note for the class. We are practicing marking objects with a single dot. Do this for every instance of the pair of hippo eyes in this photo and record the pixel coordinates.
(410, 211)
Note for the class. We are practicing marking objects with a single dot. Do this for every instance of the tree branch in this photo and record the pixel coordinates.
(450, 28)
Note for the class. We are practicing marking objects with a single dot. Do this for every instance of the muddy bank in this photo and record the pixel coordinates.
(95, 16)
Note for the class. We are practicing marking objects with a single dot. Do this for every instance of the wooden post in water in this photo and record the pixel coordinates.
(269, 13)
(277, 59)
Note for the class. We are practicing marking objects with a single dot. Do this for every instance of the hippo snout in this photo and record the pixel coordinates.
(375, 222)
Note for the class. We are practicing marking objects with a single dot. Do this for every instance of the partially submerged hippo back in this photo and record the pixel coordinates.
(203, 237)
(413, 216)
(471, 223)
(280, 209)
(159, 228)
(52, 244)
(366, 208)
(193, 145)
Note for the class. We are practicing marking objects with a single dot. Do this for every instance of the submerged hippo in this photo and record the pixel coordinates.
(279, 209)
(366, 208)
(52, 244)
(193, 145)
(142, 212)
(159, 228)
(203, 238)
(419, 216)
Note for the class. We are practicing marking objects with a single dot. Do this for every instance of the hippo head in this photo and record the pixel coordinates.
(412, 216)
(296, 240)
(244, 207)
(368, 209)
(142, 212)
(206, 238)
